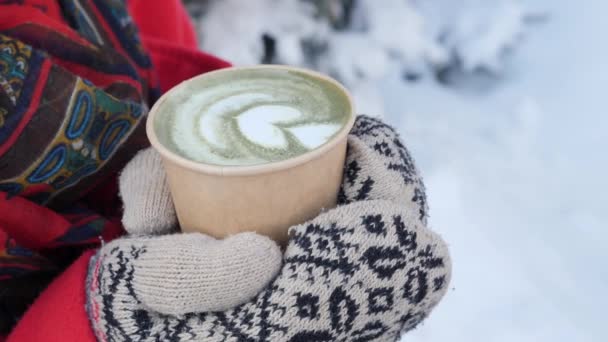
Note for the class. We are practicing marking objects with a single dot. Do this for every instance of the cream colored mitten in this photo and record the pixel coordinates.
(148, 208)
(185, 271)
(178, 273)
(367, 270)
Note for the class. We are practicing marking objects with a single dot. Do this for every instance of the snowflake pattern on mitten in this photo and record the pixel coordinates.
(367, 270)
(388, 173)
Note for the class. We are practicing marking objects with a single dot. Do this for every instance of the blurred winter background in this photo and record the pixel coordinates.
(503, 103)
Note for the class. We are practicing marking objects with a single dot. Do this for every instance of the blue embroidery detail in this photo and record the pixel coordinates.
(80, 115)
(114, 133)
(51, 164)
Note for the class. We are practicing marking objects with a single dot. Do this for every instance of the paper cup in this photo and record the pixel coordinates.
(266, 198)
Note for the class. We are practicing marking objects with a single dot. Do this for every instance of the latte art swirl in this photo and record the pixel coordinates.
(253, 118)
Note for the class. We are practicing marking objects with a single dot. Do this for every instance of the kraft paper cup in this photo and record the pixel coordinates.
(267, 198)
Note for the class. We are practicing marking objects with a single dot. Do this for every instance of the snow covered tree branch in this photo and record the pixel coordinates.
(360, 41)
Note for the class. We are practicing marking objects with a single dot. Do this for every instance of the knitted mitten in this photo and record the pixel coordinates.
(148, 208)
(173, 274)
(185, 271)
(364, 271)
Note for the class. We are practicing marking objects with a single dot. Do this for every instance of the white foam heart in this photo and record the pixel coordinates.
(258, 124)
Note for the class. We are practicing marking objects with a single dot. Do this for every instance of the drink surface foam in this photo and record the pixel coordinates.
(251, 116)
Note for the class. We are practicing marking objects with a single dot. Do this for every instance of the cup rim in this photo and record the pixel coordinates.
(245, 170)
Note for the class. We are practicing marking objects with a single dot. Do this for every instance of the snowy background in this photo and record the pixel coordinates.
(503, 104)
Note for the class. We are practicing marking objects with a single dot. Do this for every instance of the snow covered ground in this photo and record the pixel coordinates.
(517, 185)
(515, 167)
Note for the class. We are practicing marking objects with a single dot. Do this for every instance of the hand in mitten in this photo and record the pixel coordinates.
(184, 272)
(364, 271)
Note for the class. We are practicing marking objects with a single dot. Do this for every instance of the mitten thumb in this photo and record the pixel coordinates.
(184, 273)
(148, 207)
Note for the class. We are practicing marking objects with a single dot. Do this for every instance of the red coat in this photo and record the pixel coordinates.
(59, 312)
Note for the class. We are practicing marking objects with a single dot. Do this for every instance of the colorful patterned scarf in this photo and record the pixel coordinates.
(75, 84)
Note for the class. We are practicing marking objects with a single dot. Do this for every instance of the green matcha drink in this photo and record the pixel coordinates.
(252, 149)
(251, 116)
